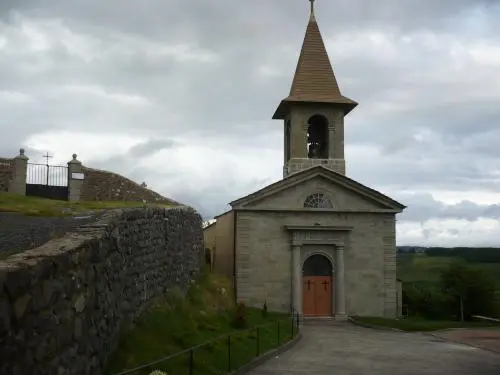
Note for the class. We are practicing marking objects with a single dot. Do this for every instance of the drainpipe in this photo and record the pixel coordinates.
(234, 257)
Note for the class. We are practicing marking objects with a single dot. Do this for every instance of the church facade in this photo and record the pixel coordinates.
(315, 241)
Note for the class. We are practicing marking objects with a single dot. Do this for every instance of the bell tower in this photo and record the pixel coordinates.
(314, 111)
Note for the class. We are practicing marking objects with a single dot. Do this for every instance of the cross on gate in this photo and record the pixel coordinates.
(47, 156)
(308, 283)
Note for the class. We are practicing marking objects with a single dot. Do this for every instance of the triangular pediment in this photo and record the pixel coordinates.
(346, 194)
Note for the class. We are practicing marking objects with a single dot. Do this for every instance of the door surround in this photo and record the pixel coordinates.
(334, 236)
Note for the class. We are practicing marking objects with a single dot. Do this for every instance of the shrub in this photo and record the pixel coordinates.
(470, 290)
(265, 313)
(158, 372)
(426, 300)
(240, 318)
(462, 291)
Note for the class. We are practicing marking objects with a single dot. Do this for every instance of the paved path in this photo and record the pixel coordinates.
(345, 349)
(482, 338)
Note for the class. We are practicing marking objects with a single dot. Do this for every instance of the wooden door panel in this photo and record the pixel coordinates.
(308, 296)
(323, 295)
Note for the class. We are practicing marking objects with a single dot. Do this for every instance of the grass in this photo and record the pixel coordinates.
(412, 268)
(205, 315)
(33, 206)
(421, 325)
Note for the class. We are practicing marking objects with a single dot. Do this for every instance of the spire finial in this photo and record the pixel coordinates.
(312, 10)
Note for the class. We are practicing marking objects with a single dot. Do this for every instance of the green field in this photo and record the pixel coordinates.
(413, 267)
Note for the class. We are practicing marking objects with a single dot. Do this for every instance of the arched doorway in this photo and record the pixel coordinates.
(317, 286)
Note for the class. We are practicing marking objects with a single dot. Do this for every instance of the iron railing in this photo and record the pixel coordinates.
(50, 175)
(226, 353)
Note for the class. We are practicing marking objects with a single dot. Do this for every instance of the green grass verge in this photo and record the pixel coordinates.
(204, 316)
(419, 324)
(33, 206)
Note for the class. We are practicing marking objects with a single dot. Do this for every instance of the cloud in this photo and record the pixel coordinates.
(181, 94)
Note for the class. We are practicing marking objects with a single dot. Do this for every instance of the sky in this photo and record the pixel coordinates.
(180, 94)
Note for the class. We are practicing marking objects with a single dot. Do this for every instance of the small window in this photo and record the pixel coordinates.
(318, 200)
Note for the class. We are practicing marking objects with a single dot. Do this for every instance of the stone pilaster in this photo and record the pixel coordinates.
(340, 310)
(297, 279)
(17, 185)
(75, 179)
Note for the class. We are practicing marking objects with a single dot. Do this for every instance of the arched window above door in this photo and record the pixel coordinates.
(317, 265)
(318, 200)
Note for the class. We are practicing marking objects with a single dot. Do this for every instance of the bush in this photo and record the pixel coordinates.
(265, 313)
(426, 300)
(240, 318)
(462, 291)
(471, 291)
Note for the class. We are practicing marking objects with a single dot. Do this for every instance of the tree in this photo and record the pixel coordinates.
(470, 289)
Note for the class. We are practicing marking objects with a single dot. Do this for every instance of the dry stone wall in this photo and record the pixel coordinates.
(19, 232)
(102, 185)
(5, 173)
(64, 304)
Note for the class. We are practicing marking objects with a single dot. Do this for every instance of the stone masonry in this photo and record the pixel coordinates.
(5, 173)
(265, 253)
(64, 304)
(101, 185)
(21, 232)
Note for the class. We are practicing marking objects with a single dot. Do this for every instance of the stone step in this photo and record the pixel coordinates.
(321, 320)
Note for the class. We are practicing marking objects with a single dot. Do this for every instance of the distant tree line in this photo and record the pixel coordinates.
(469, 254)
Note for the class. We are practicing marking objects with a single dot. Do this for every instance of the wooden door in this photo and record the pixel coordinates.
(317, 287)
(317, 295)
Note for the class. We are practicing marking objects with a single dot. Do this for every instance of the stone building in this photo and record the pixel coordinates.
(317, 240)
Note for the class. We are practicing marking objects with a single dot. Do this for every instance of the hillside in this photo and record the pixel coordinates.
(33, 206)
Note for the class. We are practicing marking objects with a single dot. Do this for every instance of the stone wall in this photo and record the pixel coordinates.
(64, 304)
(102, 185)
(5, 173)
(20, 232)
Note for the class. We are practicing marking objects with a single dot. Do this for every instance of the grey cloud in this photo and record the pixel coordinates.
(150, 147)
(422, 207)
(224, 98)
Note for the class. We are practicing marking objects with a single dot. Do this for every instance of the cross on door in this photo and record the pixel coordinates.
(325, 283)
(308, 283)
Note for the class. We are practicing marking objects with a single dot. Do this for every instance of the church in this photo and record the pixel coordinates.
(316, 241)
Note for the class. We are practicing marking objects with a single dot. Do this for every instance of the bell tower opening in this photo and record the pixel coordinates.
(317, 138)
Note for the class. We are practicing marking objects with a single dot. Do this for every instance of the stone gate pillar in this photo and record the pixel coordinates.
(17, 184)
(75, 179)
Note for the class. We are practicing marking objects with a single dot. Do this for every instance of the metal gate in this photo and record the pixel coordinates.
(47, 181)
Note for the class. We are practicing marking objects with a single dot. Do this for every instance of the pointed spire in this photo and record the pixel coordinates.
(314, 80)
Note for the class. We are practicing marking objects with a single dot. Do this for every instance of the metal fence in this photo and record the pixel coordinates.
(227, 353)
(47, 181)
(43, 174)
